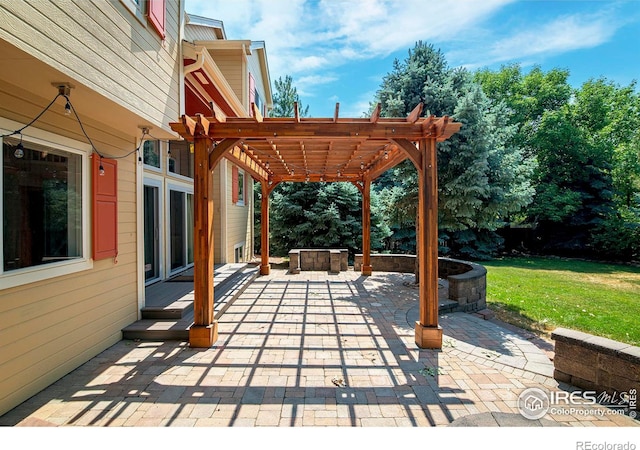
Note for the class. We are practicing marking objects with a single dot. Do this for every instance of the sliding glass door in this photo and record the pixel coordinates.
(180, 229)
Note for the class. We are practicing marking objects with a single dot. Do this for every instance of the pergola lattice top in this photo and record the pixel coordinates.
(316, 149)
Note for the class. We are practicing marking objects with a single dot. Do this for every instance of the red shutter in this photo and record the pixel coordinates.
(105, 208)
(156, 12)
(252, 94)
(234, 185)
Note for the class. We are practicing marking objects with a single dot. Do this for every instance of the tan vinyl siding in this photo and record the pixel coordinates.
(103, 46)
(52, 326)
(231, 64)
(239, 219)
(122, 69)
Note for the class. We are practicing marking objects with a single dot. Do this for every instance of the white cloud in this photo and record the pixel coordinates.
(303, 36)
(561, 35)
(381, 27)
(307, 85)
(359, 108)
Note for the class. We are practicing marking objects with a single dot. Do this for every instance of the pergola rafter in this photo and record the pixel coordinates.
(299, 149)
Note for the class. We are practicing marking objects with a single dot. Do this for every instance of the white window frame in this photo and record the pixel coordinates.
(137, 10)
(33, 274)
(178, 187)
(241, 194)
(175, 175)
(161, 151)
(157, 182)
(235, 248)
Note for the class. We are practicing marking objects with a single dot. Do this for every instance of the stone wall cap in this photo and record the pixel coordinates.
(630, 353)
(565, 334)
(603, 345)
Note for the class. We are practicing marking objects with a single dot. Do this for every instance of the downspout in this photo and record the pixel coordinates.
(199, 62)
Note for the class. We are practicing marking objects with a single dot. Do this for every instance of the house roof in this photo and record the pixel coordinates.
(216, 26)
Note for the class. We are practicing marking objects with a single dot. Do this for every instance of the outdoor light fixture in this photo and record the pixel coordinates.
(64, 90)
(386, 155)
(101, 168)
(266, 165)
(361, 166)
(19, 153)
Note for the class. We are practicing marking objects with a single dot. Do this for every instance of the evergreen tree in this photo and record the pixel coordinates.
(284, 96)
(482, 176)
(322, 215)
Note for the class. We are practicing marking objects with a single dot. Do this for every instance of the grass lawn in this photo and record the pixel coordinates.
(541, 294)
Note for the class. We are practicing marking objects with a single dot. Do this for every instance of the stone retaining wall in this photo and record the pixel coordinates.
(388, 263)
(467, 281)
(331, 260)
(595, 363)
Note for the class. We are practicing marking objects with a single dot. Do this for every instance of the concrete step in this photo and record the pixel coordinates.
(447, 306)
(181, 288)
(166, 329)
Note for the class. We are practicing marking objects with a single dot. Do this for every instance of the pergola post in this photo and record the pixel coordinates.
(366, 227)
(204, 331)
(428, 334)
(265, 267)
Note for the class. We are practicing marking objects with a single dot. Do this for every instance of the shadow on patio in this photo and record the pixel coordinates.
(310, 349)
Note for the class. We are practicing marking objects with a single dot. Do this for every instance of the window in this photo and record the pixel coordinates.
(237, 192)
(238, 254)
(240, 187)
(151, 11)
(151, 153)
(252, 94)
(258, 102)
(136, 7)
(44, 218)
(181, 158)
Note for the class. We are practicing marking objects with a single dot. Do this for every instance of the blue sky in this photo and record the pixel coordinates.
(339, 50)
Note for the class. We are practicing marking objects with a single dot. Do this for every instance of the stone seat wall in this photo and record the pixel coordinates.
(331, 260)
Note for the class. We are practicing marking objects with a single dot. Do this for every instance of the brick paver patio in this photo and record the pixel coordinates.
(313, 349)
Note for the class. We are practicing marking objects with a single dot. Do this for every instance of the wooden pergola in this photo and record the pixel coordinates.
(275, 150)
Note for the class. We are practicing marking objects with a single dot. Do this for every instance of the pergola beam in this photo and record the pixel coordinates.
(415, 114)
(375, 115)
(411, 151)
